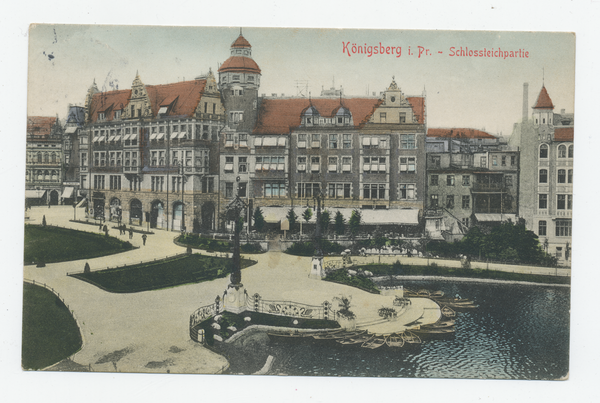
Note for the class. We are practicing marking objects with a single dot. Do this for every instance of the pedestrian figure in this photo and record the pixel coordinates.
(144, 239)
(130, 233)
(100, 229)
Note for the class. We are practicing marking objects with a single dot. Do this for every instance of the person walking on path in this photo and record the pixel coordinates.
(144, 239)
(130, 233)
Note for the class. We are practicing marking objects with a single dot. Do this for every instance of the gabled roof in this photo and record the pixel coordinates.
(240, 64)
(279, 116)
(108, 102)
(40, 126)
(459, 133)
(182, 97)
(418, 107)
(241, 42)
(543, 101)
(563, 134)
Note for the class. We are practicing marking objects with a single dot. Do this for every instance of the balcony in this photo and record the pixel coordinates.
(490, 187)
(132, 170)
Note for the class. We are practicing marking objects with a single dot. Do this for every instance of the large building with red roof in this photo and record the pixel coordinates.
(149, 155)
(545, 141)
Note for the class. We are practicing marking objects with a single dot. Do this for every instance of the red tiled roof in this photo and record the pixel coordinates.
(240, 64)
(543, 101)
(108, 102)
(40, 126)
(563, 134)
(241, 42)
(183, 97)
(279, 116)
(418, 107)
(457, 133)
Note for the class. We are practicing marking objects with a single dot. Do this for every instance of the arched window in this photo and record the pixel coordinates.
(53, 158)
(562, 176)
(40, 175)
(46, 159)
(544, 151)
(54, 177)
(39, 157)
(543, 178)
(562, 151)
(46, 175)
(570, 155)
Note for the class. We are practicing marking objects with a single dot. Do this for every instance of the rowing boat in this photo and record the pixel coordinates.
(439, 325)
(410, 338)
(395, 340)
(358, 339)
(375, 342)
(448, 312)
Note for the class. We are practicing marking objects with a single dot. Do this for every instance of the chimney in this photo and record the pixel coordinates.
(525, 101)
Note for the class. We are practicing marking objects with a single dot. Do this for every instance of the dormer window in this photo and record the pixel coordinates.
(117, 115)
(250, 78)
(236, 77)
(309, 121)
(101, 116)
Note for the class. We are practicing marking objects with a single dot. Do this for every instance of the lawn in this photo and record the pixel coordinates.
(55, 244)
(50, 334)
(258, 318)
(166, 273)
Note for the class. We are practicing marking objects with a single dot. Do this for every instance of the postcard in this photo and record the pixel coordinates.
(306, 202)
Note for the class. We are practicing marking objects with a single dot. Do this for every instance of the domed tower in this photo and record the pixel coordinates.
(239, 79)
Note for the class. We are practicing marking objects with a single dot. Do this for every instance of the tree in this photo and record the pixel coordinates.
(379, 243)
(292, 218)
(307, 214)
(325, 220)
(259, 220)
(339, 223)
(354, 224)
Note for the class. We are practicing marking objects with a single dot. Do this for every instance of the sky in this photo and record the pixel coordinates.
(477, 92)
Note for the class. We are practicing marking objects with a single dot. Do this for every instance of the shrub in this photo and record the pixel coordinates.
(387, 313)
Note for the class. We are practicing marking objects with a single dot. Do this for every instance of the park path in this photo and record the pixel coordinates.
(148, 331)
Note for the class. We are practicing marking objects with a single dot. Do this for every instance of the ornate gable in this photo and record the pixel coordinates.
(139, 103)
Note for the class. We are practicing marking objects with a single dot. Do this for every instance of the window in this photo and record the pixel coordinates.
(316, 141)
(228, 164)
(402, 117)
(466, 180)
(564, 202)
(302, 141)
(483, 162)
(504, 160)
(406, 191)
(374, 164)
(188, 158)
(315, 164)
(562, 176)
(115, 182)
(543, 201)
(544, 151)
(236, 117)
(434, 180)
(570, 176)
(101, 116)
(157, 183)
(374, 191)
(542, 228)
(332, 164)
(433, 201)
(513, 160)
(333, 141)
(543, 177)
(465, 222)
(229, 190)
(339, 190)
(408, 164)
(275, 189)
(449, 201)
(243, 140)
(436, 161)
(208, 185)
(308, 190)
(449, 180)
(98, 181)
(562, 151)
(382, 117)
(346, 164)
(494, 161)
(229, 140)
(563, 227)
(301, 166)
(161, 158)
(242, 187)
(272, 163)
(408, 142)
(466, 202)
(242, 164)
(153, 161)
(347, 141)
(570, 151)
(508, 180)
(84, 159)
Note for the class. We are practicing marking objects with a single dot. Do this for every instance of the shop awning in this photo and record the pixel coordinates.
(369, 217)
(34, 194)
(495, 217)
(68, 192)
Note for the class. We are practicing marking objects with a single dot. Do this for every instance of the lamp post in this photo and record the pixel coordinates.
(317, 271)
(75, 210)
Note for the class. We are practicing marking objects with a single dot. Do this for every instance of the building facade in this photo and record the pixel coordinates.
(545, 141)
(44, 159)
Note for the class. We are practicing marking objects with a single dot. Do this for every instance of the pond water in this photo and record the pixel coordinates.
(518, 332)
